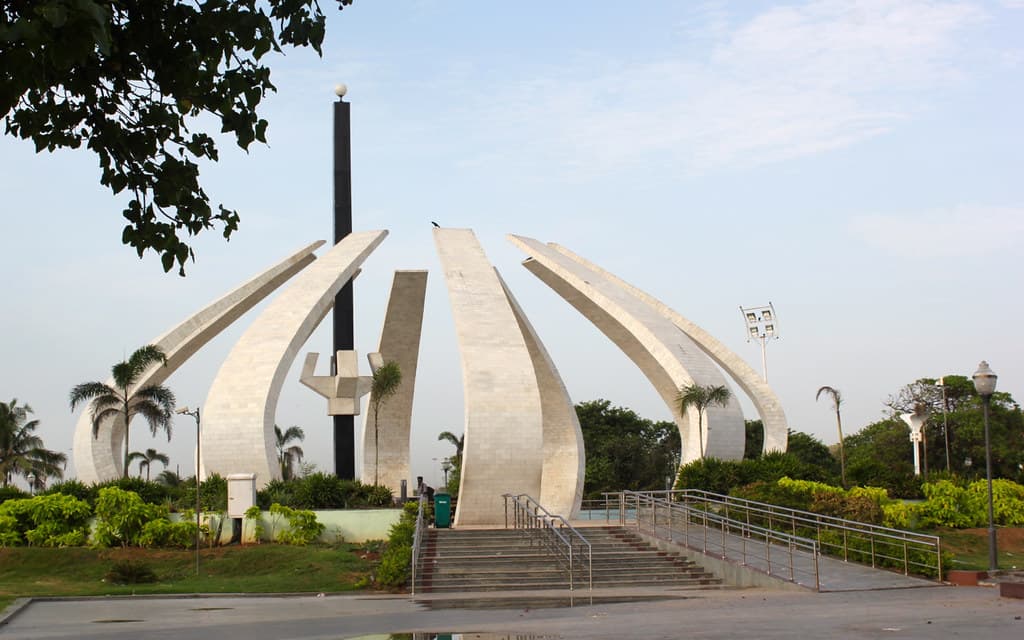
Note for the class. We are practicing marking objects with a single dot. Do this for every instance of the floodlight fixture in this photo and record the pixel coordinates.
(762, 324)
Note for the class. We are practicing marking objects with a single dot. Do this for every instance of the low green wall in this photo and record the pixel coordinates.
(348, 525)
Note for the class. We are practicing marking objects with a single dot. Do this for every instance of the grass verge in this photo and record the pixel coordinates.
(267, 568)
(970, 547)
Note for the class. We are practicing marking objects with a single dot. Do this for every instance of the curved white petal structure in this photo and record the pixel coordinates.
(665, 354)
(399, 342)
(238, 417)
(769, 409)
(502, 404)
(98, 459)
(561, 482)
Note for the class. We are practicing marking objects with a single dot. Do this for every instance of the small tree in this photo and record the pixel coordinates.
(288, 456)
(700, 398)
(147, 459)
(21, 450)
(457, 441)
(155, 403)
(837, 399)
(386, 380)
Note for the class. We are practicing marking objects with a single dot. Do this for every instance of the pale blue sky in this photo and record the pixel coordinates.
(856, 163)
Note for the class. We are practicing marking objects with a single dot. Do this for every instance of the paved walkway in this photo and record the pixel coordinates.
(946, 612)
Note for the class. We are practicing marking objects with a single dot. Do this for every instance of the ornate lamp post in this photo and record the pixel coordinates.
(985, 385)
(446, 466)
(195, 414)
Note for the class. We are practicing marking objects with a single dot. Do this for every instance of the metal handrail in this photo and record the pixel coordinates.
(880, 542)
(783, 555)
(417, 538)
(863, 543)
(550, 530)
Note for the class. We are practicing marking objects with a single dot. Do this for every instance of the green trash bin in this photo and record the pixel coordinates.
(442, 510)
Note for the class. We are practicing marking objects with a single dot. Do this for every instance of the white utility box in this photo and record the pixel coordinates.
(241, 493)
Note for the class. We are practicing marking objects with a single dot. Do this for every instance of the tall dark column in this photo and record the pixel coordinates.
(344, 338)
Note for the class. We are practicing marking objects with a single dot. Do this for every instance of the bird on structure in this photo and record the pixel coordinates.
(437, 226)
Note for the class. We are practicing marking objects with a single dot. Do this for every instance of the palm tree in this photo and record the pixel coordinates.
(457, 441)
(21, 451)
(147, 459)
(386, 380)
(837, 399)
(287, 456)
(169, 478)
(700, 398)
(155, 403)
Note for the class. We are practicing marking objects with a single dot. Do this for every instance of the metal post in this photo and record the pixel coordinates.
(993, 559)
(764, 356)
(198, 459)
(945, 422)
(343, 333)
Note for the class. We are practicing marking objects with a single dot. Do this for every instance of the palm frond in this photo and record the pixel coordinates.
(88, 391)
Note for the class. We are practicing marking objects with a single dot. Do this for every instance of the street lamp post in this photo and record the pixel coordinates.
(195, 414)
(761, 325)
(446, 466)
(945, 421)
(985, 385)
(31, 477)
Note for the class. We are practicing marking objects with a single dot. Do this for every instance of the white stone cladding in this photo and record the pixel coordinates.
(663, 352)
(561, 483)
(502, 404)
(399, 342)
(238, 417)
(769, 409)
(98, 459)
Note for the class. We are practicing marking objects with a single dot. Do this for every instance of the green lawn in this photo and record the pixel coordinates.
(970, 547)
(266, 568)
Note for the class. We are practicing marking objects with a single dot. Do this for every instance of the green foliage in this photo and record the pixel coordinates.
(805, 495)
(303, 527)
(130, 572)
(149, 492)
(254, 515)
(395, 567)
(121, 517)
(75, 488)
(12, 493)
(21, 451)
(213, 494)
(722, 476)
(45, 521)
(323, 491)
(624, 451)
(139, 83)
(164, 533)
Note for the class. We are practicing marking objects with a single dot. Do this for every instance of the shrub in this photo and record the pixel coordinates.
(948, 505)
(12, 493)
(213, 494)
(396, 562)
(149, 492)
(76, 488)
(121, 517)
(164, 533)
(130, 572)
(46, 521)
(303, 526)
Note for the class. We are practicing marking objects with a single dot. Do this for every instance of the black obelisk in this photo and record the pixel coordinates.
(344, 338)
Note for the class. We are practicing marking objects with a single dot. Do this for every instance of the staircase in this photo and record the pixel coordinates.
(504, 559)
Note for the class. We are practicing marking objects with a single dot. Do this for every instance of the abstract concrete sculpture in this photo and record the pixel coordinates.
(664, 353)
(399, 342)
(238, 421)
(766, 403)
(561, 482)
(98, 459)
(344, 389)
(503, 414)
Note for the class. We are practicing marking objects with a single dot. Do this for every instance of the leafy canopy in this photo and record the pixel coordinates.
(135, 82)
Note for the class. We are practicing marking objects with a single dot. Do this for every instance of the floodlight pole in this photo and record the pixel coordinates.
(195, 414)
(764, 356)
(945, 422)
(762, 324)
(343, 316)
